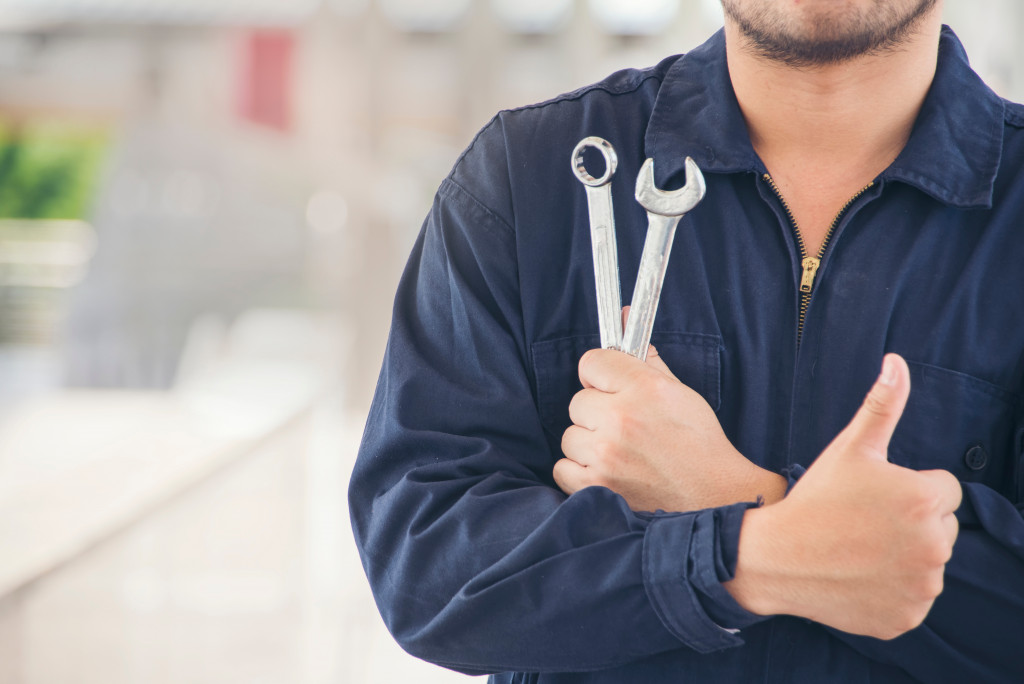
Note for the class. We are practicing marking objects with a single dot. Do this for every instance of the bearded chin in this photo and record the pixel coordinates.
(835, 38)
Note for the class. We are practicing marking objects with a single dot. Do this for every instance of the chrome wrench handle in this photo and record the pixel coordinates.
(664, 210)
(602, 238)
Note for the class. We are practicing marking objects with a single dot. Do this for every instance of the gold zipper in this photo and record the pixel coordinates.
(810, 264)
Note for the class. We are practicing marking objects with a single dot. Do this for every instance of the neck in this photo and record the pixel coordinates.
(850, 117)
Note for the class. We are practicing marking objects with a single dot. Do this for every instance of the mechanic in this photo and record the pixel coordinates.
(817, 475)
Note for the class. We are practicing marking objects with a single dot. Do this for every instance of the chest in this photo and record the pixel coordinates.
(785, 370)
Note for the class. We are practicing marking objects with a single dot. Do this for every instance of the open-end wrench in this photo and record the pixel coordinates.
(602, 237)
(664, 209)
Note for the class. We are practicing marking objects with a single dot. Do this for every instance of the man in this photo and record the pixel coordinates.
(737, 511)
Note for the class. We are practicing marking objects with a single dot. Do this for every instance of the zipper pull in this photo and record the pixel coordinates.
(810, 265)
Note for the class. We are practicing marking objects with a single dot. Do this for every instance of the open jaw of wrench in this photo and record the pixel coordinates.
(664, 210)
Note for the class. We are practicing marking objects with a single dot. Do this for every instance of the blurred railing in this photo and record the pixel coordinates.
(39, 262)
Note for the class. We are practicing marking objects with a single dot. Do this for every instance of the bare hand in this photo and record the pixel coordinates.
(640, 432)
(859, 544)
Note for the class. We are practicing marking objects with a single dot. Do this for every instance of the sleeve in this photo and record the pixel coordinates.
(975, 630)
(476, 560)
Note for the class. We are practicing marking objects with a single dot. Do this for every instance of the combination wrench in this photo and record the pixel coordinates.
(602, 239)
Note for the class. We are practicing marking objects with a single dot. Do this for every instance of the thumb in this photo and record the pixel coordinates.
(874, 423)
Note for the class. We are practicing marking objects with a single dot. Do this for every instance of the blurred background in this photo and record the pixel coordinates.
(205, 206)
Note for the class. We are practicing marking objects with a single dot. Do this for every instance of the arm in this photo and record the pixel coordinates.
(858, 545)
(836, 558)
(975, 627)
(476, 560)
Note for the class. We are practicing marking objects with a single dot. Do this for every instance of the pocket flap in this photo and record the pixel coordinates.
(694, 358)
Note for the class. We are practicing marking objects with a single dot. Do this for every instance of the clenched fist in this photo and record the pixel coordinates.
(640, 432)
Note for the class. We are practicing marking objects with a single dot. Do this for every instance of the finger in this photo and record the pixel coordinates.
(654, 361)
(950, 490)
(587, 408)
(876, 420)
(569, 476)
(577, 445)
(608, 370)
(952, 528)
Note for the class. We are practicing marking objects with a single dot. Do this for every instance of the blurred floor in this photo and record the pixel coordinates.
(250, 577)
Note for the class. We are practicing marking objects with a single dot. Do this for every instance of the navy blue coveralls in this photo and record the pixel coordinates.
(479, 563)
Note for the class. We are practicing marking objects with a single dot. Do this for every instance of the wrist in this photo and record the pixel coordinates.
(764, 486)
(758, 585)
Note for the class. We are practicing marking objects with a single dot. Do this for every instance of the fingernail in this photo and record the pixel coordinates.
(888, 376)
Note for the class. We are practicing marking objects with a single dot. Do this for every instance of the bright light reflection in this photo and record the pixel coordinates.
(327, 212)
(637, 17)
(713, 10)
(420, 17)
(533, 16)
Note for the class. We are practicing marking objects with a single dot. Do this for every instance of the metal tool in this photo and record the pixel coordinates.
(664, 210)
(602, 237)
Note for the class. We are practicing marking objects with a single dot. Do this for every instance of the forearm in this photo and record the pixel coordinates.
(506, 575)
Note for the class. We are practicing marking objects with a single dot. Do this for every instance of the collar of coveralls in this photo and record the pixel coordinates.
(953, 153)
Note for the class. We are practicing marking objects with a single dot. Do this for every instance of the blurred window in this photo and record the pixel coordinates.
(636, 17)
(416, 16)
(533, 16)
(348, 8)
(165, 11)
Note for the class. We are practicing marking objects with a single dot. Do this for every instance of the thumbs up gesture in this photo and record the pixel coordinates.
(860, 544)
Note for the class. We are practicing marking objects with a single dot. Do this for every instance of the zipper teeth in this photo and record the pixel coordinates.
(789, 212)
(838, 218)
(805, 297)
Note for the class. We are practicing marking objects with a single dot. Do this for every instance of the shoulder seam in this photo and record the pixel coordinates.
(462, 191)
(469, 148)
(565, 97)
(581, 92)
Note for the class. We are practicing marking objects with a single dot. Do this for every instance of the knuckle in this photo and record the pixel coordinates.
(923, 499)
(574, 403)
(876, 402)
(621, 425)
(934, 585)
(561, 476)
(660, 385)
(897, 628)
(587, 362)
(604, 453)
(925, 588)
(907, 620)
(917, 616)
(567, 442)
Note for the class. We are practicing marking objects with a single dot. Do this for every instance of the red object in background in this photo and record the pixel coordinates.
(265, 93)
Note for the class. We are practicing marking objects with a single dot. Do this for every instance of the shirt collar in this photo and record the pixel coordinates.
(953, 153)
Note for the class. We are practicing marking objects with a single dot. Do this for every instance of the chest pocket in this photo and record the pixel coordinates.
(694, 358)
(959, 423)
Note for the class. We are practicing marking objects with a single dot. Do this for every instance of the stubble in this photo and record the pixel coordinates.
(825, 35)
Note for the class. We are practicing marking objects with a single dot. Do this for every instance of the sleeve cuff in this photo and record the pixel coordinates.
(793, 472)
(686, 557)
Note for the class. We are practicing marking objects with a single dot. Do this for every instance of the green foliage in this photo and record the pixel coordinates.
(49, 170)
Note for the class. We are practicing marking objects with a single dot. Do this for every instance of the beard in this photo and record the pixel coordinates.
(825, 36)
